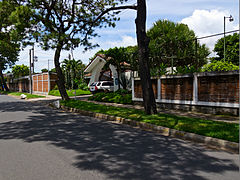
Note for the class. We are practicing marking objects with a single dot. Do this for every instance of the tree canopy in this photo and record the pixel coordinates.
(73, 71)
(15, 23)
(20, 70)
(232, 49)
(175, 41)
(69, 24)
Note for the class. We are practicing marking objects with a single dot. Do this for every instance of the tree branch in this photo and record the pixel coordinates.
(105, 12)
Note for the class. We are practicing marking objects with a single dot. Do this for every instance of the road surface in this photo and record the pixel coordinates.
(38, 143)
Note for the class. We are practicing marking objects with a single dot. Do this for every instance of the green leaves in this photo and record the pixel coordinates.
(72, 22)
(232, 49)
(20, 70)
(169, 39)
(73, 72)
(219, 66)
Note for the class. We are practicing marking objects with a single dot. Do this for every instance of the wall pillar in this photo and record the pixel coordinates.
(133, 92)
(159, 89)
(195, 88)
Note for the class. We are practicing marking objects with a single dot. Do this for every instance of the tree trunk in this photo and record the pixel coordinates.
(143, 55)
(60, 82)
(3, 81)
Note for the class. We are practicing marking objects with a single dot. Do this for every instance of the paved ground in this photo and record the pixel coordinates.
(39, 143)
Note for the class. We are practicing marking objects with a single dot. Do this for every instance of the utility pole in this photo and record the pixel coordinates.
(30, 71)
(224, 29)
(33, 59)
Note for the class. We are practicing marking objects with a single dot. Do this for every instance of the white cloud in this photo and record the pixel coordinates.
(124, 42)
(204, 23)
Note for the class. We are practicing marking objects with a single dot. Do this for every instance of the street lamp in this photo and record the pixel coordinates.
(224, 26)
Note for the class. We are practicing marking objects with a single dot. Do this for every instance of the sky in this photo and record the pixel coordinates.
(204, 17)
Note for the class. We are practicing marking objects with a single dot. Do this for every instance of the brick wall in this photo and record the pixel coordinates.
(205, 89)
(219, 89)
(177, 89)
(138, 88)
(40, 82)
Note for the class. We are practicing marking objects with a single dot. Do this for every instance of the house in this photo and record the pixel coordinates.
(94, 72)
(42, 83)
(94, 68)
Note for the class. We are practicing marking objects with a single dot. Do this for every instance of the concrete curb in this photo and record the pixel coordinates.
(208, 141)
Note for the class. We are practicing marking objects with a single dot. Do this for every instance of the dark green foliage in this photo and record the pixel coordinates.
(44, 70)
(83, 86)
(186, 70)
(174, 43)
(232, 49)
(121, 96)
(20, 70)
(221, 130)
(73, 71)
(219, 66)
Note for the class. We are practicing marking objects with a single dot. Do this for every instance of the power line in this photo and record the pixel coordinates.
(218, 34)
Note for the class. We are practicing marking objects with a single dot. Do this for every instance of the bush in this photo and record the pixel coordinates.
(83, 86)
(186, 70)
(121, 96)
(219, 66)
(55, 87)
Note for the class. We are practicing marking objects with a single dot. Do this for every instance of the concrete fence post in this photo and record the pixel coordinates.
(159, 89)
(195, 88)
(133, 93)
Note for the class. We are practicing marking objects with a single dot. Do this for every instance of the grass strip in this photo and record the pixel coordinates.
(29, 96)
(220, 130)
(70, 92)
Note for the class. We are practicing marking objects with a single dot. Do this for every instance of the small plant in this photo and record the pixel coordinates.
(121, 96)
(186, 70)
(219, 66)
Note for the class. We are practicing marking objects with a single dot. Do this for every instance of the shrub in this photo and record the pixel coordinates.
(83, 86)
(219, 66)
(121, 96)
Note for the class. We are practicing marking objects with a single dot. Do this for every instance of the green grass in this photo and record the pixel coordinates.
(70, 92)
(220, 130)
(29, 96)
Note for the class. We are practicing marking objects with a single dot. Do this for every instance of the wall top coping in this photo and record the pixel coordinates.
(215, 73)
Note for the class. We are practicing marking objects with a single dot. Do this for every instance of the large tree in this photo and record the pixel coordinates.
(20, 71)
(143, 57)
(73, 72)
(65, 25)
(15, 25)
(175, 41)
(232, 49)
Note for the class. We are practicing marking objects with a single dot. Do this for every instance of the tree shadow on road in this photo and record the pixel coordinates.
(118, 151)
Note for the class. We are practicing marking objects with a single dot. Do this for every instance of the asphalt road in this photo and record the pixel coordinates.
(38, 143)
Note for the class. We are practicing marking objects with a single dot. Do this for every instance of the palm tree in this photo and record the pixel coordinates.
(73, 71)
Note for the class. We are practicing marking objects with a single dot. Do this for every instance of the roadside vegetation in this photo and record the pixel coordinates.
(121, 96)
(220, 130)
(29, 96)
(70, 93)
